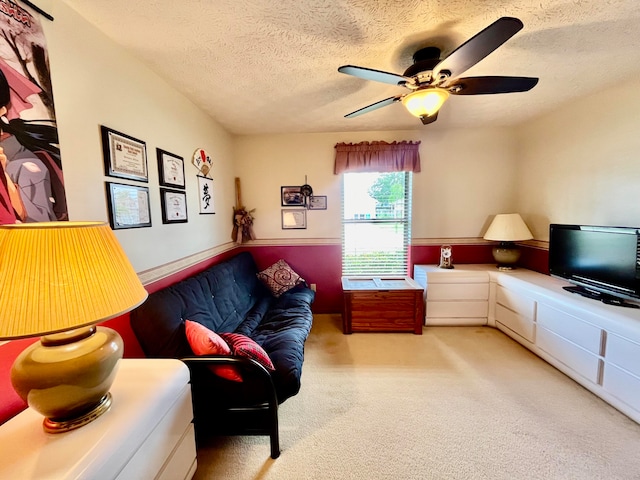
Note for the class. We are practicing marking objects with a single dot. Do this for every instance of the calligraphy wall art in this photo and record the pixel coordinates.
(205, 195)
(32, 187)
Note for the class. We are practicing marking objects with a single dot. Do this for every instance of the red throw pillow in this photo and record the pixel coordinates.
(205, 342)
(243, 346)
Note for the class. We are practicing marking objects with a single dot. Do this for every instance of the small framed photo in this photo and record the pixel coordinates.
(170, 169)
(124, 156)
(174, 206)
(291, 196)
(128, 206)
(205, 195)
(294, 219)
(318, 202)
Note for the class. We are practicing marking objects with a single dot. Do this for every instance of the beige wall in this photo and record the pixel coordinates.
(581, 163)
(97, 83)
(467, 176)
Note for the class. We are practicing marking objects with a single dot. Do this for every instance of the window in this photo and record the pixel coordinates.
(376, 223)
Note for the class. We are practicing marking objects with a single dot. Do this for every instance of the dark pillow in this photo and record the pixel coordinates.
(243, 346)
(205, 342)
(280, 278)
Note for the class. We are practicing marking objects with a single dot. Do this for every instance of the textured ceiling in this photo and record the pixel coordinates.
(270, 66)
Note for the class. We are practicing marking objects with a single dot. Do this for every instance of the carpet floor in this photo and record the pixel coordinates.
(453, 403)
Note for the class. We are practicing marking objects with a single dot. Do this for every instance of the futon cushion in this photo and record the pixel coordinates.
(280, 278)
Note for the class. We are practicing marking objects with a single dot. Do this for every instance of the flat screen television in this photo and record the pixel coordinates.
(603, 262)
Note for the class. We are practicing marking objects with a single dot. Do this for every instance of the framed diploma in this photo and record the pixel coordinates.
(174, 206)
(170, 169)
(124, 156)
(318, 202)
(128, 206)
(294, 219)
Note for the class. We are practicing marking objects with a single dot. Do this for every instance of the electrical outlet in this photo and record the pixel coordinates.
(313, 287)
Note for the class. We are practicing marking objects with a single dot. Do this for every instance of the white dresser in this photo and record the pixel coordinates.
(147, 433)
(457, 296)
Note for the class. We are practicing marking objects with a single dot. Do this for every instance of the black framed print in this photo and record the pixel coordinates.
(124, 156)
(174, 206)
(294, 219)
(318, 202)
(170, 169)
(291, 196)
(128, 206)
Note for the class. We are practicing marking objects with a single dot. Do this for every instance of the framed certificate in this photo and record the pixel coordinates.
(294, 219)
(170, 169)
(174, 206)
(124, 156)
(128, 206)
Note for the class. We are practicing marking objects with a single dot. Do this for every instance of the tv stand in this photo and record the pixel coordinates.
(608, 299)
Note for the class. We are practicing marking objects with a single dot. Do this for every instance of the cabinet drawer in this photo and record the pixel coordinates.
(576, 358)
(573, 329)
(456, 309)
(520, 324)
(622, 385)
(518, 303)
(624, 353)
(458, 291)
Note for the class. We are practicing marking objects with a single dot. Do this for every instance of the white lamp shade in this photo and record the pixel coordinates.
(508, 227)
(55, 276)
(425, 102)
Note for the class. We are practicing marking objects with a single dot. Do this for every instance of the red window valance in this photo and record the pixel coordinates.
(377, 157)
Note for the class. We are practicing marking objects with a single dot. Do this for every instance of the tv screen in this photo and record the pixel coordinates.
(602, 259)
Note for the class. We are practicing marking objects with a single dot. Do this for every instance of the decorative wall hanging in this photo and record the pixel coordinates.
(202, 162)
(174, 206)
(124, 156)
(242, 219)
(318, 202)
(307, 192)
(291, 196)
(170, 169)
(205, 195)
(128, 206)
(32, 189)
(294, 219)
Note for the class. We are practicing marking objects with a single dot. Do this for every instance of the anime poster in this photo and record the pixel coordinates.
(31, 182)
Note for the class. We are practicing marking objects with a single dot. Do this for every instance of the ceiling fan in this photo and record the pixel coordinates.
(431, 79)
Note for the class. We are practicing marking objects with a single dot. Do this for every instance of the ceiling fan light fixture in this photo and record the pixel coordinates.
(425, 102)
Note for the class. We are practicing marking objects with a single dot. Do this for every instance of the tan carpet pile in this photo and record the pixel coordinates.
(454, 403)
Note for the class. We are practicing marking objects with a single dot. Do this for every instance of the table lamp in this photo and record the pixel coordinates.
(507, 228)
(58, 279)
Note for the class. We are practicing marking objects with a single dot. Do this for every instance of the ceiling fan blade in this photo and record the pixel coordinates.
(478, 47)
(374, 75)
(374, 106)
(430, 119)
(489, 85)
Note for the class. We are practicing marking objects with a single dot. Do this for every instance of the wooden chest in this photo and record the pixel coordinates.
(382, 304)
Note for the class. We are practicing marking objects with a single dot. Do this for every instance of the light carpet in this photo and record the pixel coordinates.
(453, 403)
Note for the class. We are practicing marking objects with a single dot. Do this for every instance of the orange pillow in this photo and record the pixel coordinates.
(205, 342)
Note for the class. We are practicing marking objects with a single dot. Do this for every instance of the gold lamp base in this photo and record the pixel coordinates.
(66, 376)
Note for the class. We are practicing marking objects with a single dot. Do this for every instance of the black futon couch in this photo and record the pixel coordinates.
(229, 297)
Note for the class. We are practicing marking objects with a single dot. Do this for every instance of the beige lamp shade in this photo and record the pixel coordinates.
(55, 276)
(508, 227)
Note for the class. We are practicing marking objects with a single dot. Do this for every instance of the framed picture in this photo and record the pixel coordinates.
(291, 196)
(294, 219)
(170, 169)
(128, 206)
(124, 156)
(174, 206)
(318, 202)
(205, 195)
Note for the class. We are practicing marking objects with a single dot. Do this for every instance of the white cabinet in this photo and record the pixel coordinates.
(622, 370)
(147, 433)
(458, 296)
(515, 314)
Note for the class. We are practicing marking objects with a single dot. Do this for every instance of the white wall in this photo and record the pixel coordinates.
(467, 176)
(581, 163)
(97, 83)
